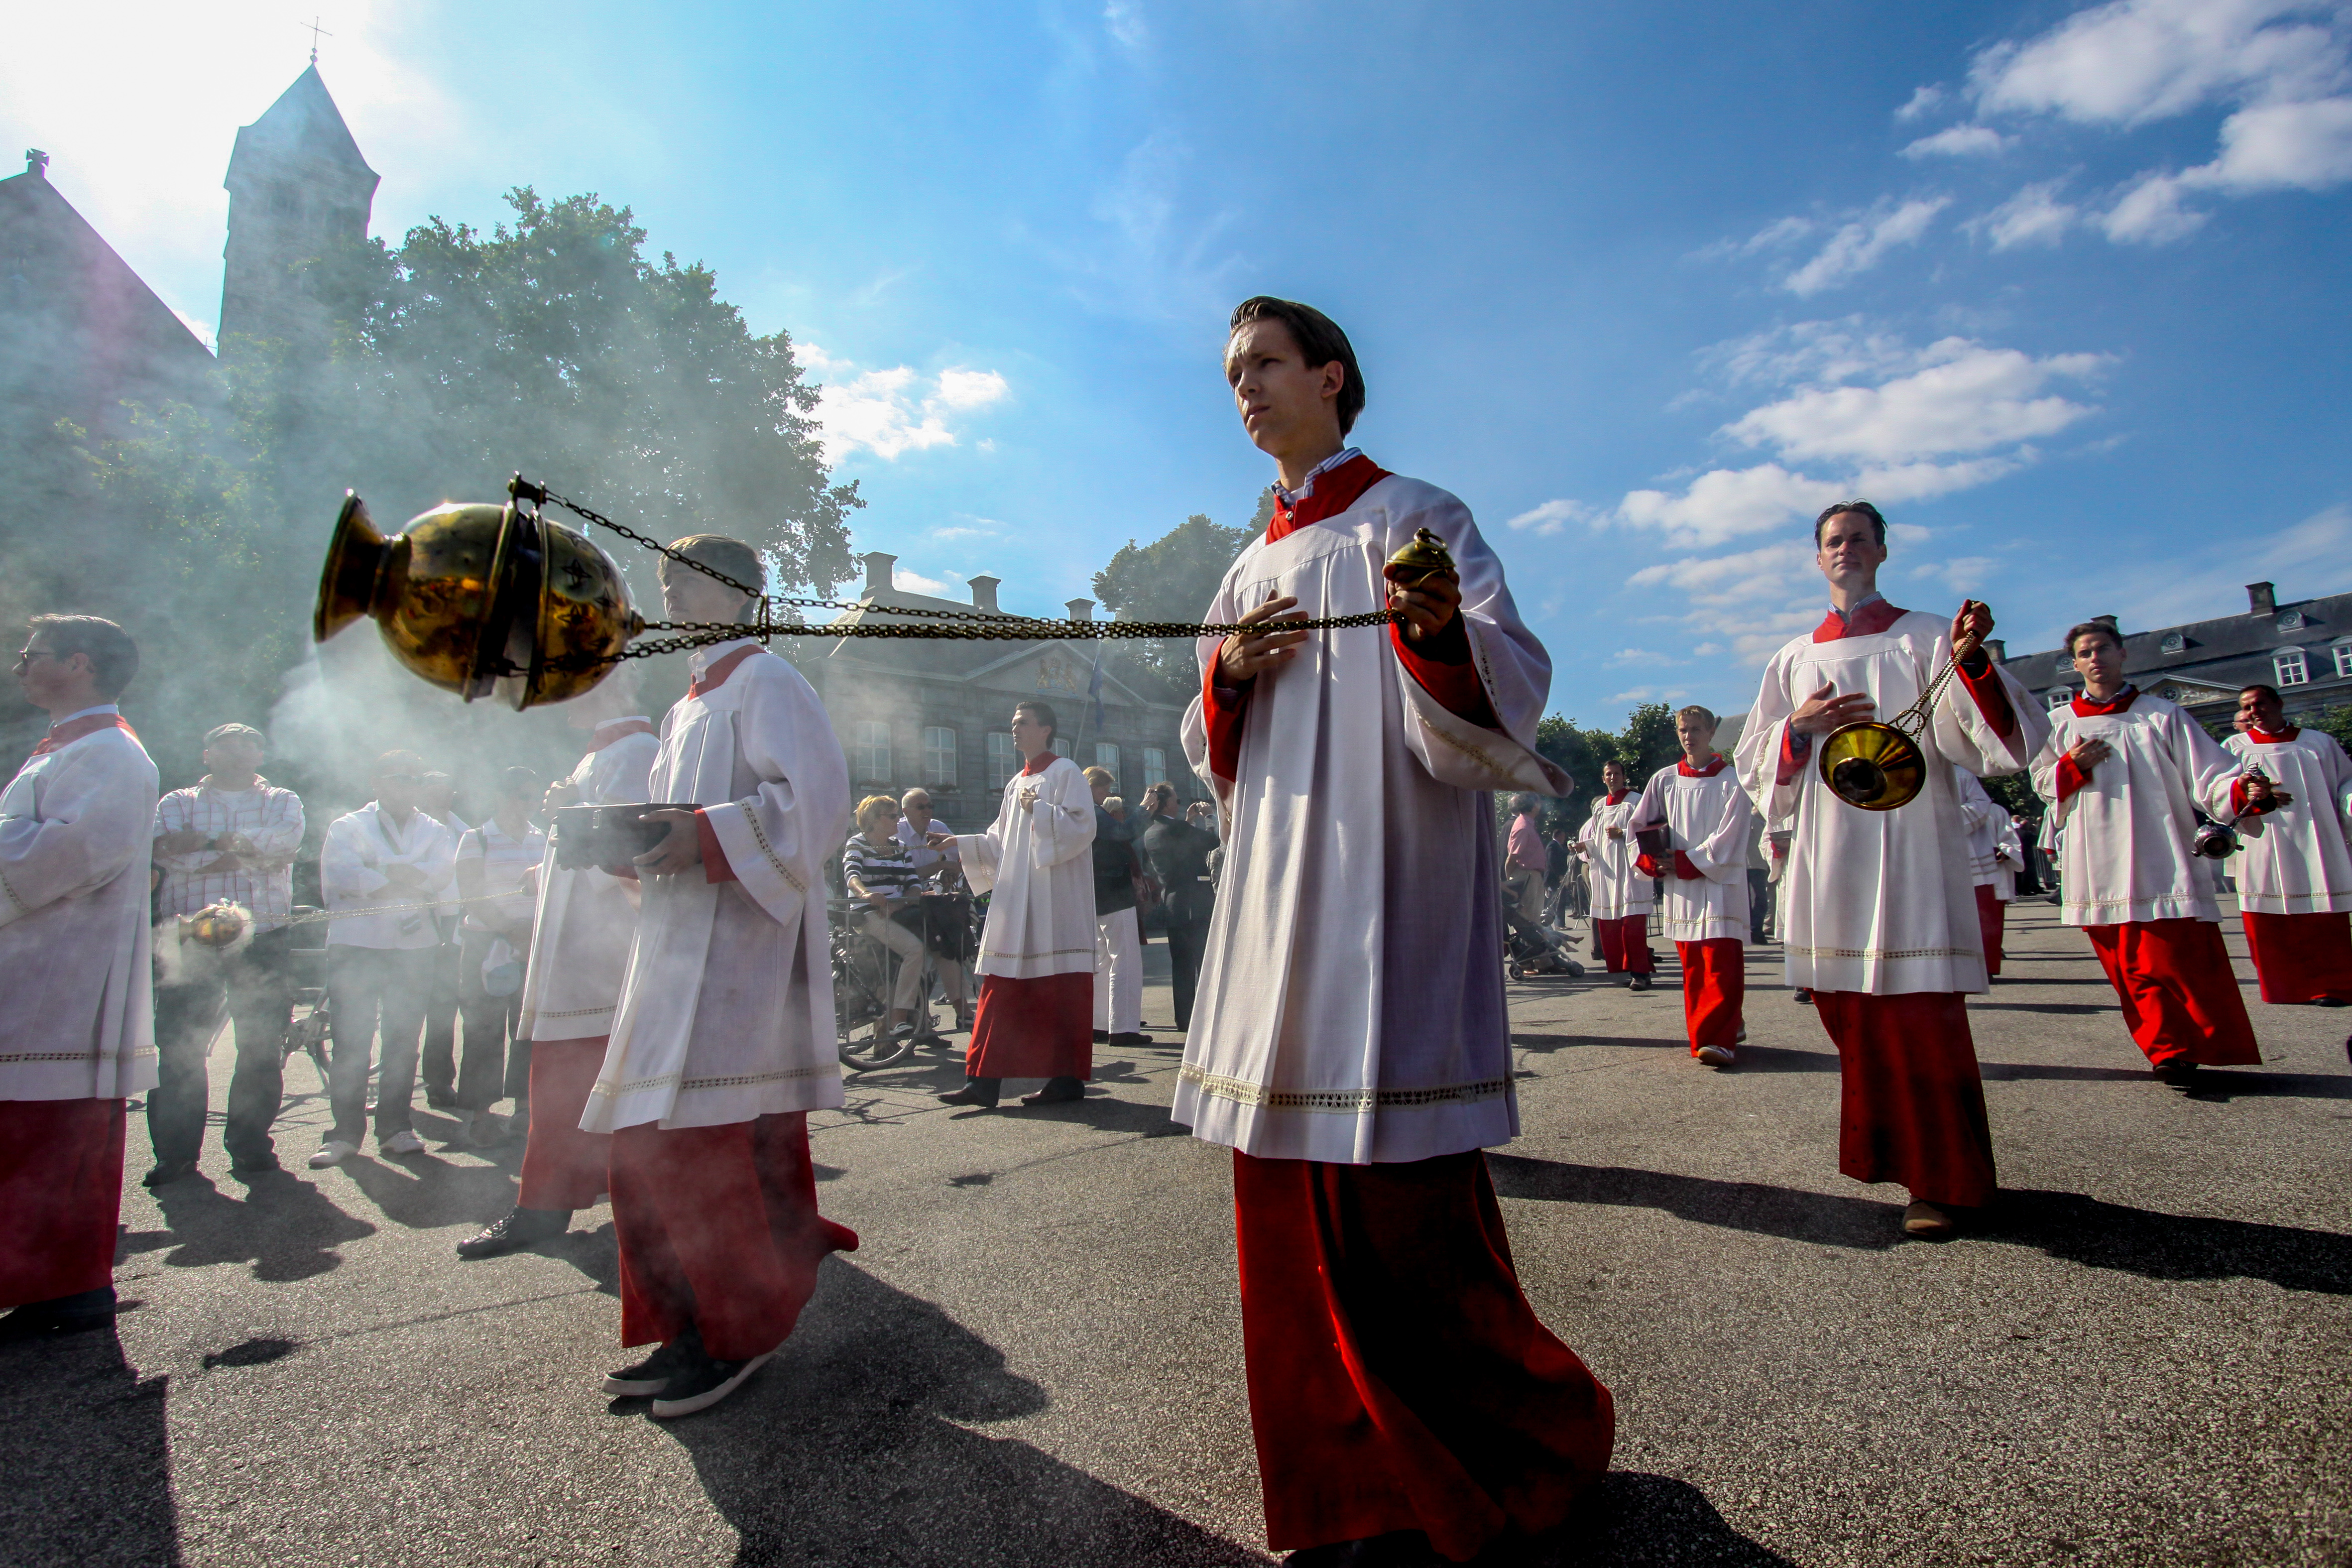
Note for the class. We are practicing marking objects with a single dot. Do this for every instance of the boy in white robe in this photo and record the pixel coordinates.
(76, 1036)
(723, 1038)
(2295, 869)
(2126, 775)
(1620, 895)
(1349, 1039)
(1708, 821)
(1985, 819)
(1882, 923)
(1036, 964)
(585, 921)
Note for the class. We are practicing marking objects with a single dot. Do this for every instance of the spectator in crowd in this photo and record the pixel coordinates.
(915, 828)
(498, 859)
(1119, 943)
(880, 871)
(229, 839)
(1556, 861)
(383, 868)
(1525, 862)
(1759, 886)
(1177, 855)
(1203, 815)
(436, 794)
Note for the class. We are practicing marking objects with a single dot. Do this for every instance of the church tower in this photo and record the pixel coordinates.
(298, 186)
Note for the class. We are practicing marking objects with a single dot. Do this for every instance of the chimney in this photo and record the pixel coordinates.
(878, 572)
(2261, 600)
(36, 162)
(1997, 649)
(984, 595)
(1080, 609)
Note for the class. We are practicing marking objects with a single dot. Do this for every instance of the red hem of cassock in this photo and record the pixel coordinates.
(2179, 994)
(2301, 958)
(1398, 1378)
(1992, 925)
(1043, 1027)
(61, 1197)
(1625, 944)
(1714, 988)
(1911, 1104)
(718, 1226)
(562, 1167)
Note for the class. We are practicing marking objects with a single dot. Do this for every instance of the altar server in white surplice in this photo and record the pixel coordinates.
(723, 1038)
(1036, 962)
(1621, 895)
(2126, 775)
(1882, 918)
(1985, 818)
(78, 1034)
(1708, 823)
(580, 935)
(1349, 1037)
(2294, 873)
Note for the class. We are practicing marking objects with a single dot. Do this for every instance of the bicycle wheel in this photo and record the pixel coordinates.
(863, 1020)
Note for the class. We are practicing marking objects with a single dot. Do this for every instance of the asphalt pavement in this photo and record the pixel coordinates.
(2143, 1355)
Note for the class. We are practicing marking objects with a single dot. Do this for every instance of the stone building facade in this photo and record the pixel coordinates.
(297, 189)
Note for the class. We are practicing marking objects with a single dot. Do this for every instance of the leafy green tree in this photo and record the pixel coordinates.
(1172, 579)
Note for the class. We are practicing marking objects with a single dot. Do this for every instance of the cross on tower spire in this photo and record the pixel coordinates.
(316, 32)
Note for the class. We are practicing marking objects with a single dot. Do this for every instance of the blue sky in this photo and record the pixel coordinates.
(2064, 289)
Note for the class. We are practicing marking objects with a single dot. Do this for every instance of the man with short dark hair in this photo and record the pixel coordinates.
(1349, 1041)
(1118, 952)
(2294, 877)
(229, 839)
(2126, 774)
(1881, 931)
(77, 1035)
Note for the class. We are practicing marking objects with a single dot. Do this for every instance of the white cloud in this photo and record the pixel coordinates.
(1961, 574)
(1124, 20)
(907, 581)
(894, 411)
(1958, 142)
(1640, 656)
(2274, 146)
(1724, 504)
(1858, 245)
(1923, 101)
(2151, 213)
(1965, 397)
(2139, 60)
(1549, 517)
(2033, 216)
(950, 535)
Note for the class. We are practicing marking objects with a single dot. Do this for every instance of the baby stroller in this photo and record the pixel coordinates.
(1530, 947)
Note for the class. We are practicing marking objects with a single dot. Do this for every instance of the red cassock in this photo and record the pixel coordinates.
(2179, 994)
(1625, 944)
(1715, 986)
(2301, 958)
(1993, 924)
(1910, 1103)
(61, 1197)
(562, 1167)
(1039, 1027)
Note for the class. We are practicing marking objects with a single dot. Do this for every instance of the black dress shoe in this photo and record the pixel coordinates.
(167, 1170)
(441, 1099)
(972, 1093)
(1131, 1038)
(1102, 1037)
(1056, 1091)
(2179, 1072)
(253, 1165)
(79, 1313)
(1803, 997)
(518, 1228)
(1640, 982)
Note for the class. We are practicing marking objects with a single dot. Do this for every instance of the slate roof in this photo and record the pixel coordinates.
(2202, 664)
(304, 121)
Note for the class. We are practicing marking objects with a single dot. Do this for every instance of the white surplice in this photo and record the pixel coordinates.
(1616, 889)
(1038, 868)
(585, 921)
(76, 828)
(2008, 854)
(1711, 820)
(1350, 1000)
(1881, 901)
(727, 1013)
(2298, 864)
(1981, 815)
(2125, 854)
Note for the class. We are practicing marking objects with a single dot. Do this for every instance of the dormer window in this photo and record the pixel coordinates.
(2343, 652)
(2175, 642)
(2288, 662)
(2290, 621)
(2061, 695)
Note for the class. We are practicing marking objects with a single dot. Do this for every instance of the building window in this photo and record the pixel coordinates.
(940, 755)
(2176, 642)
(1106, 759)
(2343, 652)
(2061, 695)
(1061, 746)
(1155, 766)
(2291, 670)
(2290, 621)
(1003, 759)
(872, 760)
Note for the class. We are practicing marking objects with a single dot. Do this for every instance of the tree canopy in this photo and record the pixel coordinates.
(1172, 579)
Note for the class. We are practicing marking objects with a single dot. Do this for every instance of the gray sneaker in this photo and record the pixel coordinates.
(405, 1142)
(333, 1153)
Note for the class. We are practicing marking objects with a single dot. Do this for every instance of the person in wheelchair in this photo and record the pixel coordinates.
(880, 872)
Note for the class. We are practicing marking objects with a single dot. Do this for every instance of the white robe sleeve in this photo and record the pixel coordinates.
(779, 837)
(2212, 772)
(1976, 806)
(1757, 756)
(95, 821)
(1062, 822)
(1966, 737)
(1722, 854)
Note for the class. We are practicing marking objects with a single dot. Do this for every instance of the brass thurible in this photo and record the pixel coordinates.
(1880, 766)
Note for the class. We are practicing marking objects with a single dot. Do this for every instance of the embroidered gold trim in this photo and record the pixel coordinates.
(1884, 952)
(74, 1055)
(639, 1086)
(759, 836)
(571, 1012)
(1048, 952)
(1352, 1101)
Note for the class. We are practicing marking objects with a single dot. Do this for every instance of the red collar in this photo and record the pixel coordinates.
(1714, 766)
(621, 729)
(714, 677)
(1868, 621)
(73, 729)
(1039, 763)
(1336, 489)
(2264, 738)
(2086, 707)
(1614, 799)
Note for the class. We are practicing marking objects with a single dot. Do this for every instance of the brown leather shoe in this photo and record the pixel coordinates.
(1925, 1222)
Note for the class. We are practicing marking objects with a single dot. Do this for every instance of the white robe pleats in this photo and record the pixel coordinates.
(1037, 867)
(1616, 889)
(586, 921)
(1711, 821)
(2124, 848)
(2297, 863)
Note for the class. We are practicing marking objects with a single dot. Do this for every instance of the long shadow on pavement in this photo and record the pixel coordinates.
(286, 1227)
(1641, 1521)
(83, 1445)
(853, 1448)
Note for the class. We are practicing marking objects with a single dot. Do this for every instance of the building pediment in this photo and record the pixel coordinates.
(2195, 693)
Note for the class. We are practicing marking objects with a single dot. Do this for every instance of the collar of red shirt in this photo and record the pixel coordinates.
(1714, 766)
(1039, 763)
(1619, 796)
(1870, 617)
(715, 674)
(1335, 484)
(2264, 738)
(2087, 706)
(88, 721)
(613, 730)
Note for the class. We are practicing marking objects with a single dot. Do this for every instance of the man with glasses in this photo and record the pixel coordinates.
(76, 1036)
(230, 840)
(382, 870)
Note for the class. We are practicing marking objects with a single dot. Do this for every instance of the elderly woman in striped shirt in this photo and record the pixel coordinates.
(878, 869)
